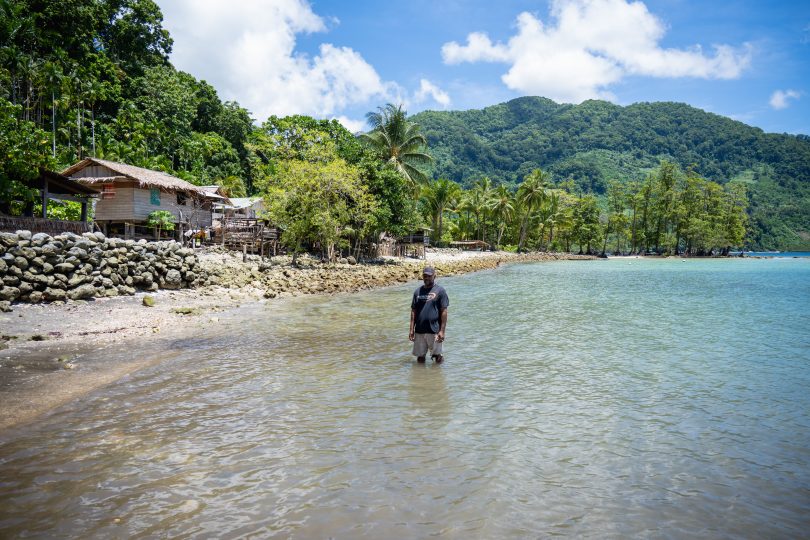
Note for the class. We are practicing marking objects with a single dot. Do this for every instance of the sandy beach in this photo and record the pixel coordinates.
(43, 346)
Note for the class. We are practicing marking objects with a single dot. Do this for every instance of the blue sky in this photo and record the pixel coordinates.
(744, 59)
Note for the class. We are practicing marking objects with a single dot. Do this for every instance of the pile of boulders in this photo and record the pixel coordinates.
(42, 268)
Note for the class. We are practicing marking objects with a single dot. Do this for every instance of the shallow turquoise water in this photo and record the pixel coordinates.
(627, 397)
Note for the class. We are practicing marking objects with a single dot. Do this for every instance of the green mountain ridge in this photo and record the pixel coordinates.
(595, 142)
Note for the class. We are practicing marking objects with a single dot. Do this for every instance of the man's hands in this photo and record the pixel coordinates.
(440, 336)
(410, 335)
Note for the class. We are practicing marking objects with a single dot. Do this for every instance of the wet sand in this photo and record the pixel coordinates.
(44, 363)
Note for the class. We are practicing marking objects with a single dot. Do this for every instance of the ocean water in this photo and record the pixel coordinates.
(603, 399)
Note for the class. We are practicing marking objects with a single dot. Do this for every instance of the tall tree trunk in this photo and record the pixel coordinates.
(78, 134)
(93, 129)
(607, 233)
(53, 122)
(523, 230)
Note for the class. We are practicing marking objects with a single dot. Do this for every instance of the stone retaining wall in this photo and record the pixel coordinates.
(42, 268)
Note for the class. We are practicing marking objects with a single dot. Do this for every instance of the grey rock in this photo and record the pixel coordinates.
(51, 294)
(47, 268)
(8, 239)
(35, 297)
(64, 268)
(25, 288)
(173, 279)
(124, 290)
(40, 239)
(24, 235)
(3, 266)
(78, 252)
(11, 281)
(351, 260)
(83, 292)
(21, 251)
(5, 306)
(9, 293)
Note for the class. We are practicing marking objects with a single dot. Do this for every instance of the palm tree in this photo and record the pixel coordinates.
(502, 207)
(482, 192)
(438, 196)
(53, 80)
(530, 195)
(398, 142)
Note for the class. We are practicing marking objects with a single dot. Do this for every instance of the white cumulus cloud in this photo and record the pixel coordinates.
(780, 99)
(247, 51)
(589, 45)
(355, 126)
(428, 90)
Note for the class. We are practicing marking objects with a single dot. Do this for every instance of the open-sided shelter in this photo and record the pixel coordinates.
(51, 186)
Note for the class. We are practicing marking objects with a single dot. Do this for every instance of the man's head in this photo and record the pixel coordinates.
(428, 275)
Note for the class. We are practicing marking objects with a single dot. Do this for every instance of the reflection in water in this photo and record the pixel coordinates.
(575, 415)
(427, 391)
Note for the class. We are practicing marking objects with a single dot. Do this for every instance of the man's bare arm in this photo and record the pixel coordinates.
(443, 323)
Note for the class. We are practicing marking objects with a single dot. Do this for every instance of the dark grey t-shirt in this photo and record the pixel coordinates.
(428, 303)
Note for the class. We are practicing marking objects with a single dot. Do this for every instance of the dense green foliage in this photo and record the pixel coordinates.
(92, 78)
(83, 78)
(669, 212)
(596, 142)
(398, 142)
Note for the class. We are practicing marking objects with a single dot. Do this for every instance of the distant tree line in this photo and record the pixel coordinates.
(596, 143)
(669, 212)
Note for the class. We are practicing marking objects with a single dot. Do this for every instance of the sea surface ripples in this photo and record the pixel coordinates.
(589, 399)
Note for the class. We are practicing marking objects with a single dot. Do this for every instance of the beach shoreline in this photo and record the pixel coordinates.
(43, 346)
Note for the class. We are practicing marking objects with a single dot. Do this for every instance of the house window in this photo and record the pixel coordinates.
(181, 198)
(154, 196)
(108, 191)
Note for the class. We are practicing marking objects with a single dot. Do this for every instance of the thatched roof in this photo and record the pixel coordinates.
(143, 177)
(59, 184)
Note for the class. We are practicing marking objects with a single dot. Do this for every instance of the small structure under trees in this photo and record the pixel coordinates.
(51, 186)
(471, 245)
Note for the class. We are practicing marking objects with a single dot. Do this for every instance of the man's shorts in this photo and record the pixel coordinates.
(422, 343)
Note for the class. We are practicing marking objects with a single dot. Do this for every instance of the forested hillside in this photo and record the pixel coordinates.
(596, 142)
(92, 78)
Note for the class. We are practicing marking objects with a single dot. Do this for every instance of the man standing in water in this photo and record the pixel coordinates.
(428, 318)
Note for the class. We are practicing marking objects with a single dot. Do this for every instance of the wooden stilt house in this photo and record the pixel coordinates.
(130, 194)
